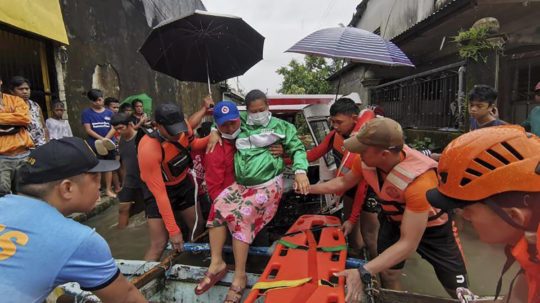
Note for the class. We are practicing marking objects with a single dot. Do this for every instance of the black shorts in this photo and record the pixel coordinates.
(128, 194)
(181, 196)
(134, 196)
(351, 192)
(438, 246)
(371, 205)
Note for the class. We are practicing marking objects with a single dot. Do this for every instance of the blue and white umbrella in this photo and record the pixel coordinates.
(352, 44)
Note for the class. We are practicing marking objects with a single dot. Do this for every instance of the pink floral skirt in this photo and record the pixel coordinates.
(246, 210)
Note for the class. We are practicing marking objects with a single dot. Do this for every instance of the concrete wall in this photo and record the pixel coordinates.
(351, 83)
(394, 16)
(104, 38)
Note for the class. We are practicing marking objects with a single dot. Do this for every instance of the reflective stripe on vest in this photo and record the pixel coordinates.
(391, 194)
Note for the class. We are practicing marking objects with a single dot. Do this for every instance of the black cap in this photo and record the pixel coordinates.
(171, 117)
(60, 159)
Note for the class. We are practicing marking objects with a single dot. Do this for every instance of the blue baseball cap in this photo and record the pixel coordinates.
(225, 111)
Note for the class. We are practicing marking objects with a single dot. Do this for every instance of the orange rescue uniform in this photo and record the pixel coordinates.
(154, 171)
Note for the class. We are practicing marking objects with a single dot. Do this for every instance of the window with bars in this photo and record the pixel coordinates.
(525, 75)
(428, 100)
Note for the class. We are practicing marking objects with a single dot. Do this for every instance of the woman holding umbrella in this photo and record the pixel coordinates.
(251, 202)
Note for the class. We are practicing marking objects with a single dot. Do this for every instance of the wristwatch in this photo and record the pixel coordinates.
(365, 275)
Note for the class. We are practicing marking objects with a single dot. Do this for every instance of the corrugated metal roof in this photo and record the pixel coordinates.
(362, 7)
(448, 8)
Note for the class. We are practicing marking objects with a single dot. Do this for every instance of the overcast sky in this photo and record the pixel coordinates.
(282, 23)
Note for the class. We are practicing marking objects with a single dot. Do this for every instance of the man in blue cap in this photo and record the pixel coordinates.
(39, 247)
(219, 164)
(219, 174)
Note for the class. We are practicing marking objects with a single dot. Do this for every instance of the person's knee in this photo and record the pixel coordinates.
(370, 231)
(158, 244)
(158, 241)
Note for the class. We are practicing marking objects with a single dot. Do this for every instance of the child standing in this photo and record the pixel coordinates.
(57, 126)
(482, 107)
(96, 120)
(132, 193)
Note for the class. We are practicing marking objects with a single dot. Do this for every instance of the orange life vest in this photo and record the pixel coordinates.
(391, 193)
(347, 162)
(531, 269)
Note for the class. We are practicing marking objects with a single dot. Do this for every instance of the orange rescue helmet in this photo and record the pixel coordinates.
(486, 162)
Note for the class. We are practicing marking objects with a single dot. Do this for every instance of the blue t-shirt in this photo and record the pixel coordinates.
(100, 123)
(40, 249)
(474, 124)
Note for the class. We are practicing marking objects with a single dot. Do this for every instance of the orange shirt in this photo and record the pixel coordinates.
(14, 112)
(415, 193)
(151, 164)
(532, 270)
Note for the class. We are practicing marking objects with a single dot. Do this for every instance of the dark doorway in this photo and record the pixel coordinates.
(24, 55)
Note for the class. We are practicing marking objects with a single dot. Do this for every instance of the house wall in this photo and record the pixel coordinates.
(103, 53)
(431, 46)
(394, 16)
(351, 83)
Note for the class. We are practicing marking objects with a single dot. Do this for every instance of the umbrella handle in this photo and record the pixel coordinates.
(339, 79)
(208, 77)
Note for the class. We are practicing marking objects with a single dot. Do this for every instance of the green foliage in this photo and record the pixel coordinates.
(308, 77)
(422, 144)
(303, 131)
(473, 43)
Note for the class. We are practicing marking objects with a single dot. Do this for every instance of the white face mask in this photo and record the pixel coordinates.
(231, 136)
(260, 118)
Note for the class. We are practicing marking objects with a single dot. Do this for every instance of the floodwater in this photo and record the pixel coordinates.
(484, 262)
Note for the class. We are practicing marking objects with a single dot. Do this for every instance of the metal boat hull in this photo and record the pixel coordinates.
(180, 281)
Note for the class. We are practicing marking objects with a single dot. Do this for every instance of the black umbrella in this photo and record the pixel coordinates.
(203, 47)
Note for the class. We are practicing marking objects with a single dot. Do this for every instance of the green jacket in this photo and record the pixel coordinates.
(253, 162)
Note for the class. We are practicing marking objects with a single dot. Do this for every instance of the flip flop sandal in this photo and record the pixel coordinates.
(109, 144)
(214, 278)
(236, 296)
(100, 148)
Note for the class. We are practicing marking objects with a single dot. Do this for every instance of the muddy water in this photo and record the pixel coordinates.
(129, 243)
(484, 261)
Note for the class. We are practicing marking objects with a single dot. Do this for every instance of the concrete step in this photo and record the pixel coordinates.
(100, 207)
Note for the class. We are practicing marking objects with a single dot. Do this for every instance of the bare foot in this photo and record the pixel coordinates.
(110, 194)
(239, 280)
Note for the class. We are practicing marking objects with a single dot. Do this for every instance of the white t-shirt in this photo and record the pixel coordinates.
(58, 128)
